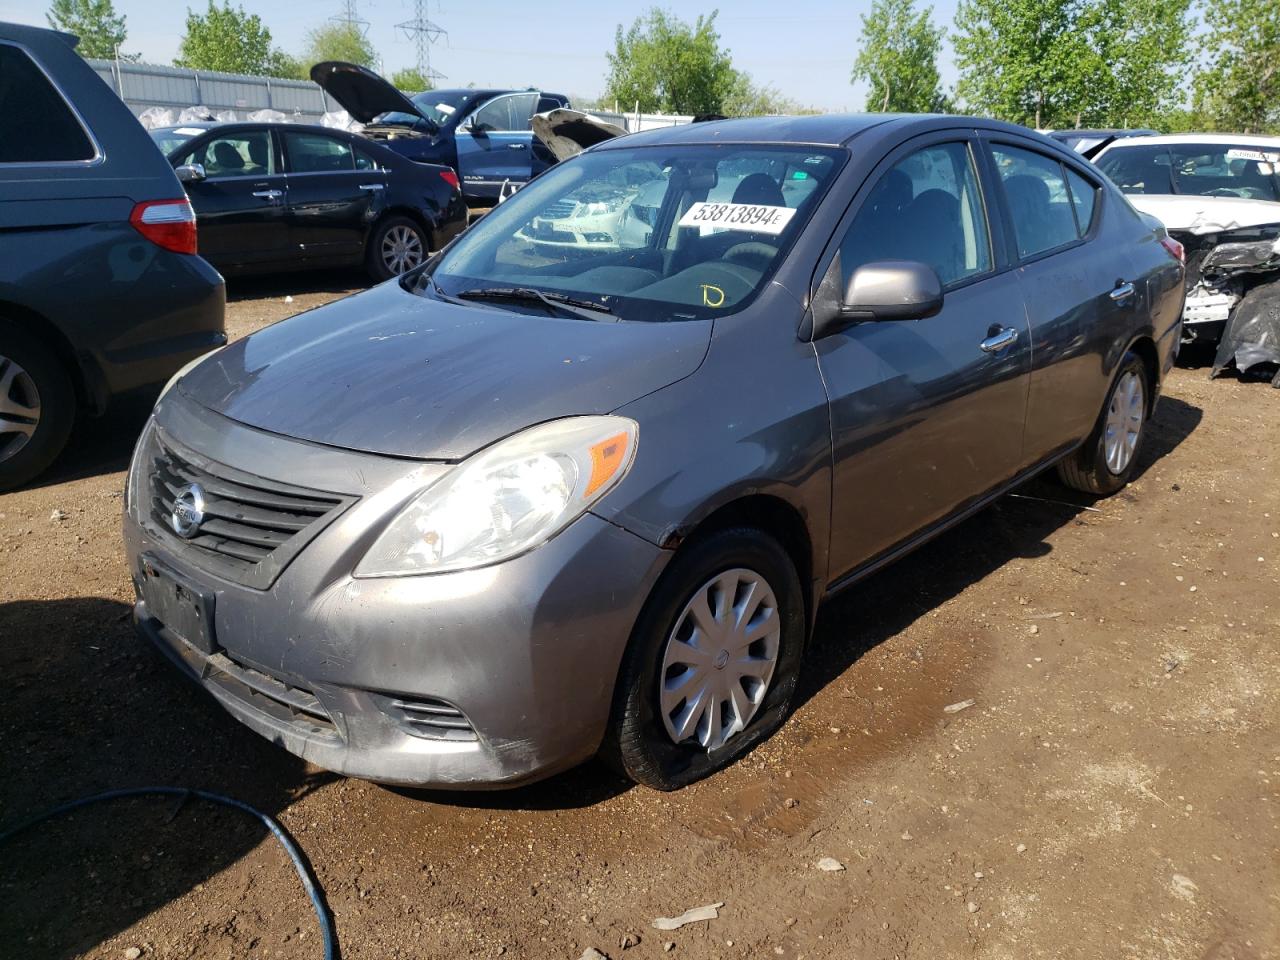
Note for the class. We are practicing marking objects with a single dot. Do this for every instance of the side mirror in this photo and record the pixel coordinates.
(892, 290)
(190, 172)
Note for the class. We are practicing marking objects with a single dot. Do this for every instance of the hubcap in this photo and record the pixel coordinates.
(401, 249)
(1124, 422)
(19, 407)
(719, 659)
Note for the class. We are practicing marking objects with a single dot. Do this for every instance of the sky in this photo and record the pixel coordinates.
(802, 47)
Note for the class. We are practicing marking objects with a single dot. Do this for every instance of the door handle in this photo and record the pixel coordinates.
(372, 186)
(515, 146)
(269, 194)
(1123, 291)
(998, 341)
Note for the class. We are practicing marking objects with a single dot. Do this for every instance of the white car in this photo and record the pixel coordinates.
(1219, 195)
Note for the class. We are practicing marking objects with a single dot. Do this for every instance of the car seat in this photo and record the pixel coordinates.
(929, 231)
(226, 158)
(259, 154)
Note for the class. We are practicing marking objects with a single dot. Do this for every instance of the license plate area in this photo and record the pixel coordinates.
(183, 609)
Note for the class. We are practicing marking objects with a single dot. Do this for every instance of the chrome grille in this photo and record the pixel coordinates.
(559, 210)
(252, 526)
(430, 718)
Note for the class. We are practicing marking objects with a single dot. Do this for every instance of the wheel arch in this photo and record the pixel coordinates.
(41, 328)
(1145, 349)
(403, 210)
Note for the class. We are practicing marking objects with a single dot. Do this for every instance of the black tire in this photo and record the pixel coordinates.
(375, 261)
(21, 461)
(1086, 469)
(637, 743)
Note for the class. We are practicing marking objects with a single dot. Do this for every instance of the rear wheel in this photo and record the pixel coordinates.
(1106, 460)
(396, 246)
(713, 662)
(37, 407)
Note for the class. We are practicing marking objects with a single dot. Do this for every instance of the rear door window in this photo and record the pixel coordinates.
(926, 208)
(314, 153)
(1039, 203)
(36, 123)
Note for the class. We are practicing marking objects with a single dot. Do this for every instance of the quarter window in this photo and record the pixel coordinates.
(1083, 195)
(1039, 202)
(36, 125)
(313, 153)
(926, 208)
(242, 154)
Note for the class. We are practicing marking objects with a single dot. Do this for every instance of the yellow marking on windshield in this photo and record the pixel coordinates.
(707, 300)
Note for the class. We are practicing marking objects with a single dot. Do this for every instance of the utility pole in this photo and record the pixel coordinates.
(423, 32)
(350, 16)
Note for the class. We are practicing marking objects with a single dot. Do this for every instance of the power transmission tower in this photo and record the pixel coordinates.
(350, 16)
(423, 32)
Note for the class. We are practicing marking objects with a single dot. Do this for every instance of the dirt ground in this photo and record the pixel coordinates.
(1113, 791)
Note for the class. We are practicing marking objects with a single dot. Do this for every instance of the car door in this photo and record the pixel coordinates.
(336, 192)
(1079, 286)
(926, 415)
(239, 203)
(495, 145)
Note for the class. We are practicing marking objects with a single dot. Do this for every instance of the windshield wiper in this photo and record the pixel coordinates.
(583, 309)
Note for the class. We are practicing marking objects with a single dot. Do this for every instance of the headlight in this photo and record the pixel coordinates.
(186, 368)
(507, 499)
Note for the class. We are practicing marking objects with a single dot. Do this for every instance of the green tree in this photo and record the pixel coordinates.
(339, 41)
(898, 58)
(747, 99)
(412, 80)
(1239, 87)
(101, 30)
(670, 66)
(226, 38)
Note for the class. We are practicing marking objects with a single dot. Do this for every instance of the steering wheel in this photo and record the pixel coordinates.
(750, 252)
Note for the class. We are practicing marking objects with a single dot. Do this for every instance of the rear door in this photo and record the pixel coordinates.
(495, 145)
(926, 415)
(1079, 284)
(335, 193)
(240, 203)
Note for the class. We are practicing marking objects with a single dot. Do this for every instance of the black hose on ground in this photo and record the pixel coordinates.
(304, 872)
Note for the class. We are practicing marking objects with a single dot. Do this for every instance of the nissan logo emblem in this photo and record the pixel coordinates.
(188, 511)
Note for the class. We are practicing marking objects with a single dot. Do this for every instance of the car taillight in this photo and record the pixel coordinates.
(1176, 250)
(166, 223)
(451, 178)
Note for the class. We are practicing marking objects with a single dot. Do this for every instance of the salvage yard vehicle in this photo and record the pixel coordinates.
(273, 197)
(1089, 143)
(483, 134)
(1218, 195)
(101, 291)
(523, 506)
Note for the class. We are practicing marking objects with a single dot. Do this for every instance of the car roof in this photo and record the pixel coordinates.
(832, 129)
(203, 125)
(22, 33)
(1243, 139)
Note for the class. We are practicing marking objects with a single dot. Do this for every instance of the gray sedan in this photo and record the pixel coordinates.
(578, 490)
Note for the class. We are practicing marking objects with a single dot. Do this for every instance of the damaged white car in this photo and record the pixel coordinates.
(1219, 196)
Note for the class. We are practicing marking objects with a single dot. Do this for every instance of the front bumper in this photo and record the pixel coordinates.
(525, 652)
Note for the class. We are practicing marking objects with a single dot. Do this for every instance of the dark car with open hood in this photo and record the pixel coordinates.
(101, 290)
(545, 497)
(286, 196)
(483, 134)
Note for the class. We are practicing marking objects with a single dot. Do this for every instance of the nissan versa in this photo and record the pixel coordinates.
(529, 502)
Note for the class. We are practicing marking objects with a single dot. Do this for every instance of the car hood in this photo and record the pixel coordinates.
(1199, 215)
(568, 132)
(391, 372)
(361, 92)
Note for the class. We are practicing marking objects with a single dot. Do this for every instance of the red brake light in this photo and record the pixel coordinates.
(451, 178)
(167, 223)
(1176, 250)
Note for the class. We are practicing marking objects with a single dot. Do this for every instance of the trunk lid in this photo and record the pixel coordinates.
(568, 132)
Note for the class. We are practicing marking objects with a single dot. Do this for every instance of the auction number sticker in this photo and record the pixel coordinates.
(747, 217)
(1262, 156)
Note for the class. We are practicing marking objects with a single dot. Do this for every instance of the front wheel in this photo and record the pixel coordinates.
(1105, 462)
(396, 246)
(712, 663)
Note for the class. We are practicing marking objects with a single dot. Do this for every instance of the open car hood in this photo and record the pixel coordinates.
(1200, 215)
(361, 92)
(568, 132)
(390, 372)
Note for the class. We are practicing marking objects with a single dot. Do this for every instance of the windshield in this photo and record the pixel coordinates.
(651, 233)
(437, 105)
(169, 139)
(1199, 169)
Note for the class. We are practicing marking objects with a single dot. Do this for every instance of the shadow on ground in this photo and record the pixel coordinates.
(85, 707)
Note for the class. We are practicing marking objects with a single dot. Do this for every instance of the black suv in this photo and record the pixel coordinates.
(101, 291)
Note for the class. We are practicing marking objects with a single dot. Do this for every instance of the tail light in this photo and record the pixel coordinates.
(1176, 250)
(170, 224)
(451, 178)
